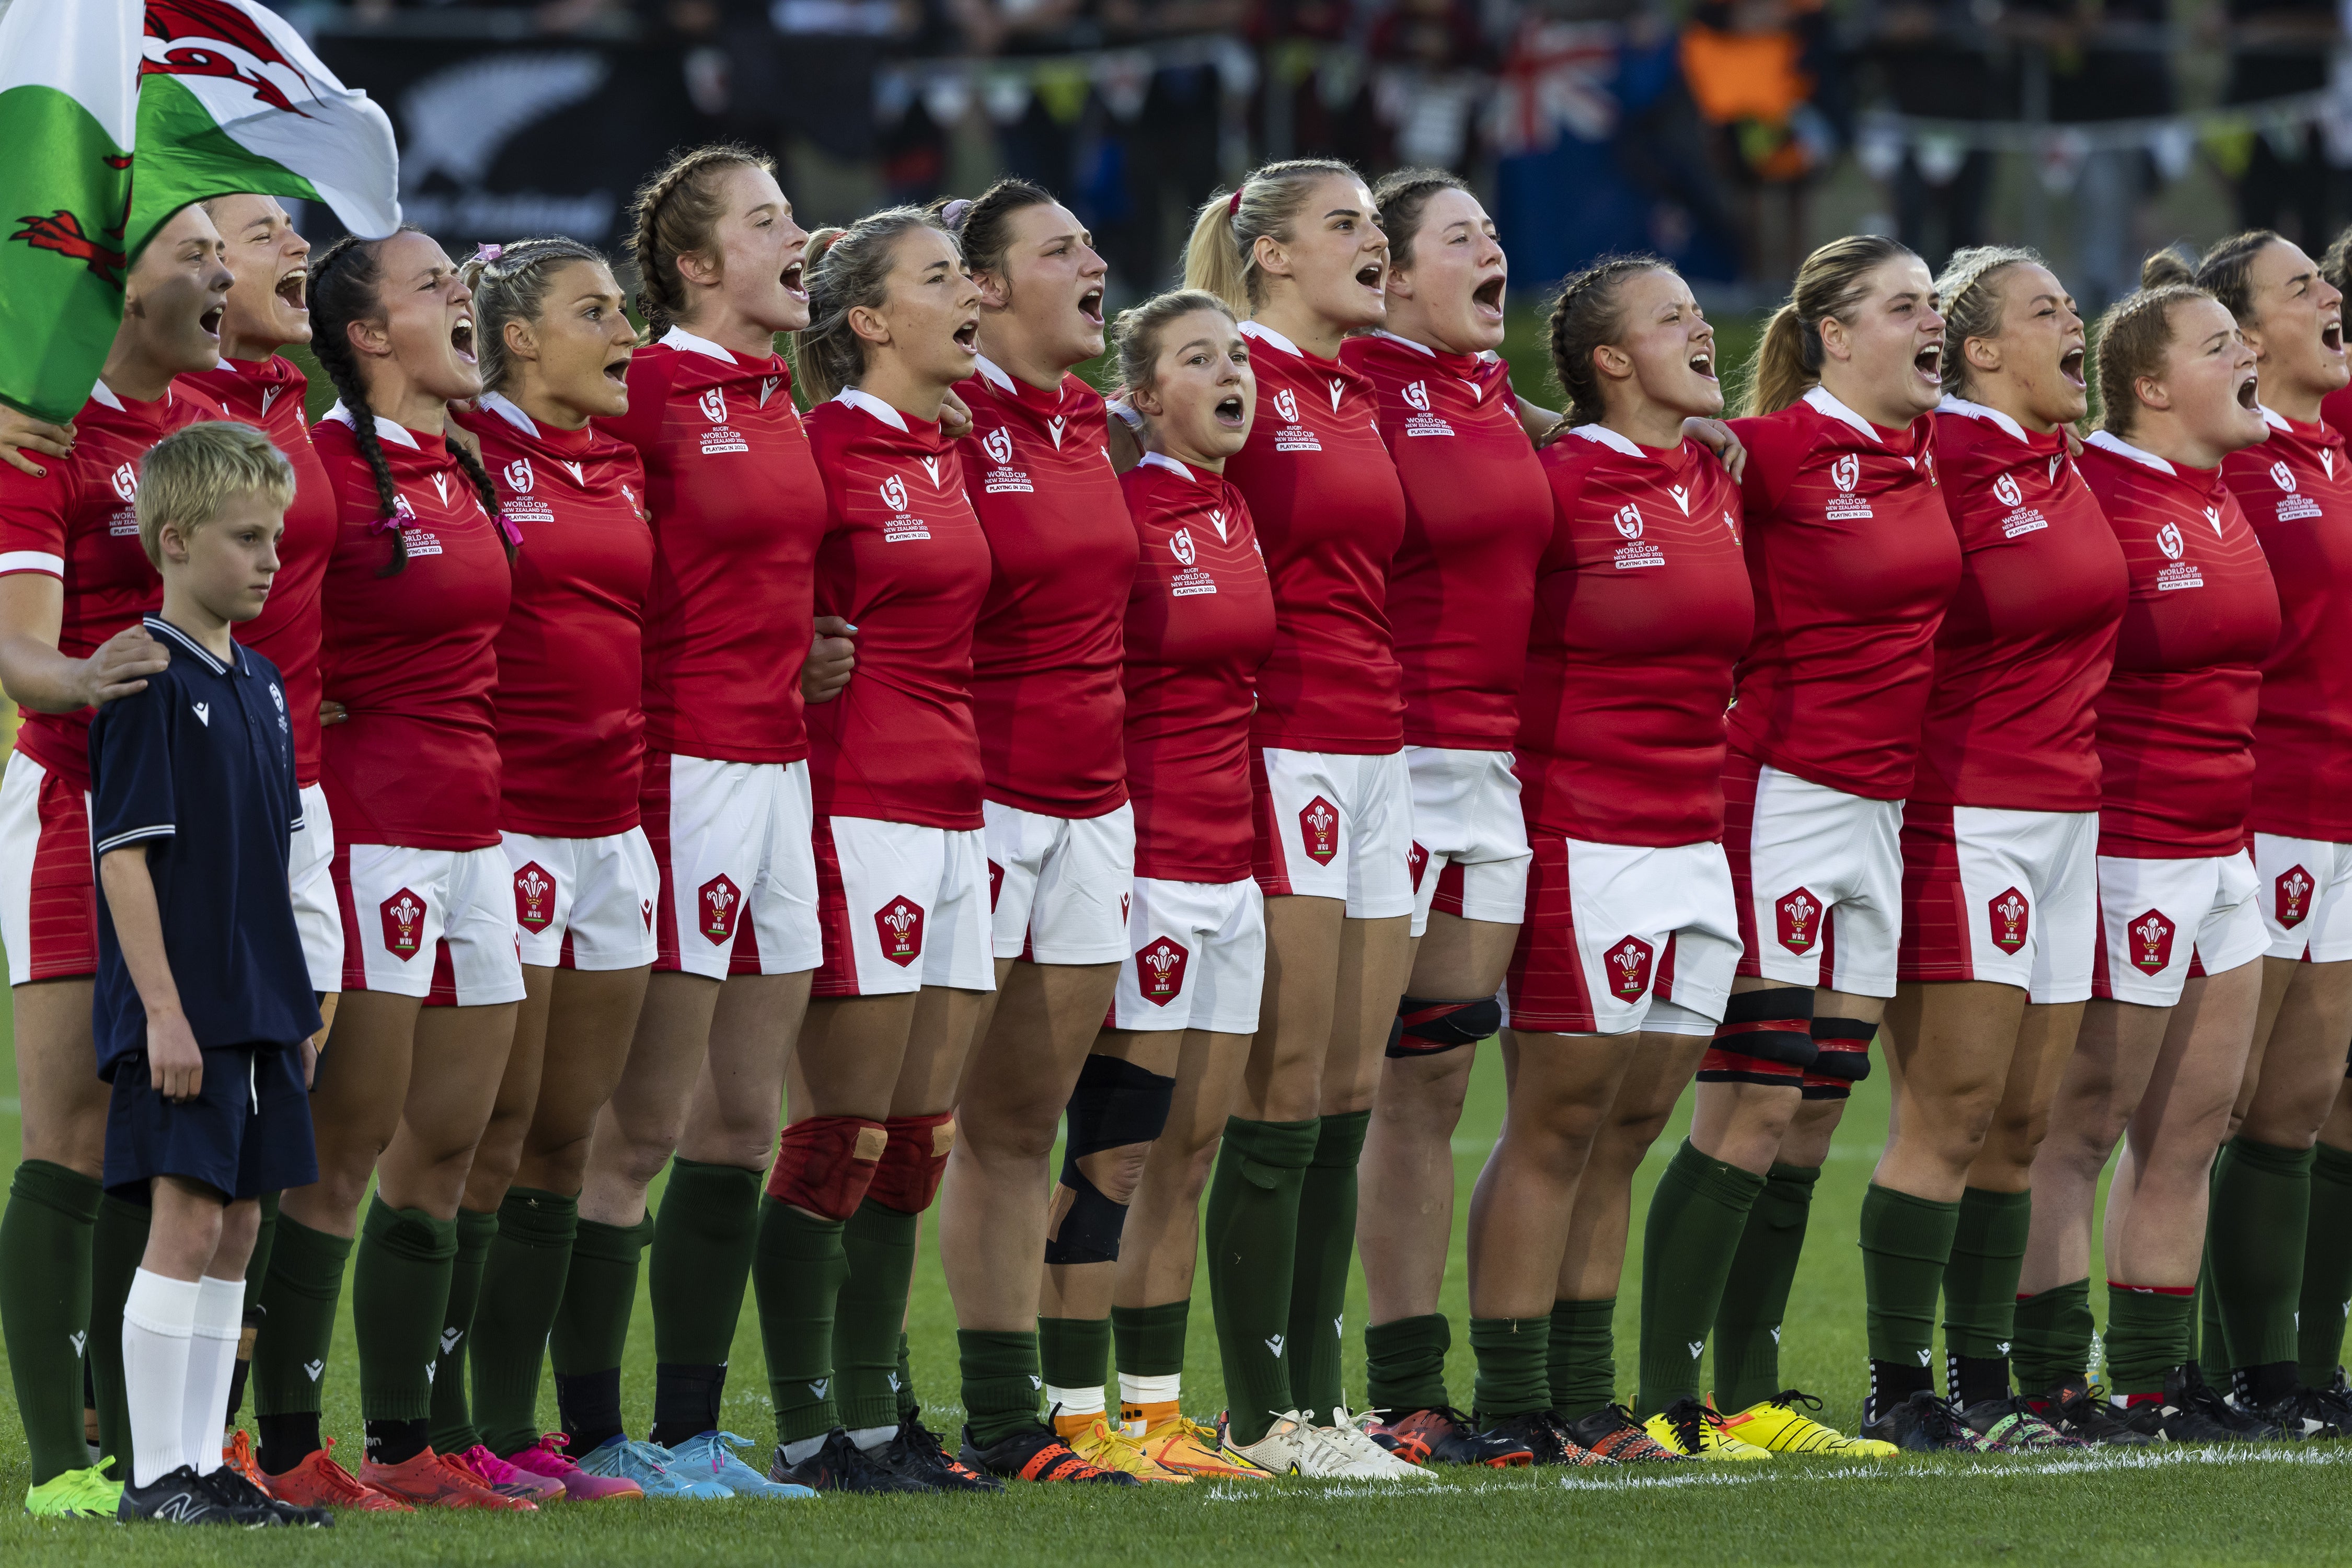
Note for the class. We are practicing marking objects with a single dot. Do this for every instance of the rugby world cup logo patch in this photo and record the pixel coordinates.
(2009, 910)
(1416, 393)
(894, 493)
(1286, 403)
(1799, 917)
(899, 924)
(1179, 544)
(2169, 539)
(126, 482)
(404, 925)
(518, 477)
(2295, 887)
(716, 904)
(1628, 965)
(2151, 942)
(1319, 830)
(1159, 971)
(534, 897)
(2007, 489)
(1846, 473)
(1629, 521)
(2282, 475)
(998, 445)
(713, 404)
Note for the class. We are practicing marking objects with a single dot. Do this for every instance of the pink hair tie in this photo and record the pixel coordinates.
(486, 254)
(1233, 204)
(509, 530)
(952, 215)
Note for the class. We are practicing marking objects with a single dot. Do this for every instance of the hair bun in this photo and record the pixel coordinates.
(2166, 267)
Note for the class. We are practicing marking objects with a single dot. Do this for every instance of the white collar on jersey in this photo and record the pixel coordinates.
(680, 338)
(2276, 421)
(102, 394)
(1162, 461)
(1269, 336)
(500, 404)
(1967, 410)
(1602, 435)
(991, 371)
(874, 406)
(1408, 343)
(2123, 449)
(385, 430)
(1820, 399)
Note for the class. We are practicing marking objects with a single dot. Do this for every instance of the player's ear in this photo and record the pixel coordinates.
(869, 325)
(522, 343)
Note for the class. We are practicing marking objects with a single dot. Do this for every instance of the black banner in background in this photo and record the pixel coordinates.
(502, 141)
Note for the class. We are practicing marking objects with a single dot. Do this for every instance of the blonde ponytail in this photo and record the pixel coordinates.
(1221, 256)
(1788, 362)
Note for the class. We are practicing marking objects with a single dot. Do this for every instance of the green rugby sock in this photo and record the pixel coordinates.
(1404, 1363)
(2147, 1334)
(298, 1321)
(1250, 1228)
(1981, 1292)
(999, 1383)
(1696, 1217)
(522, 1286)
(880, 1242)
(1319, 1283)
(2326, 1268)
(1755, 1290)
(2052, 1347)
(704, 1239)
(400, 1295)
(45, 1274)
(453, 1428)
(1580, 1357)
(1905, 1243)
(798, 1268)
(2253, 1239)
(1149, 1341)
(1512, 1377)
(591, 1334)
(908, 1409)
(1071, 1353)
(117, 1246)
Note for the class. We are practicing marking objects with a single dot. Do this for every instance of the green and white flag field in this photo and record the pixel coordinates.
(114, 114)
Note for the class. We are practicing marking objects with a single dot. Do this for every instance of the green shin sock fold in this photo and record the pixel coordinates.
(908, 1406)
(400, 1295)
(298, 1318)
(798, 1268)
(2147, 1335)
(2326, 1268)
(1748, 1323)
(1000, 1382)
(1697, 1216)
(1250, 1228)
(1981, 1292)
(1580, 1357)
(704, 1238)
(453, 1430)
(1905, 1243)
(592, 1322)
(2260, 1212)
(1150, 1341)
(1404, 1363)
(117, 1246)
(1512, 1355)
(1072, 1353)
(2053, 1346)
(46, 1239)
(522, 1285)
(256, 1274)
(1319, 1282)
(880, 1242)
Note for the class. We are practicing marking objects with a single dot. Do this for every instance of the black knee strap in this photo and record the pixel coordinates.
(1773, 1026)
(1116, 1104)
(1425, 1025)
(1844, 1048)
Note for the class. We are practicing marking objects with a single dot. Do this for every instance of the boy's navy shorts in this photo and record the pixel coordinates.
(247, 1132)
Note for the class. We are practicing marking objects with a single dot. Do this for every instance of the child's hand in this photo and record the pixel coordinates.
(174, 1061)
(118, 666)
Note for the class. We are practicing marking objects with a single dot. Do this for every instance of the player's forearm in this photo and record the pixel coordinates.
(138, 928)
(37, 677)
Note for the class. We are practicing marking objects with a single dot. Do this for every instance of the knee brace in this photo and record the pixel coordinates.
(1426, 1026)
(1116, 1104)
(1766, 1038)
(908, 1178)
(825, 1164)
(1844, 1060)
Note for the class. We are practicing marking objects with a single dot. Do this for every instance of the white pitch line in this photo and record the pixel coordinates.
(2024, 1469)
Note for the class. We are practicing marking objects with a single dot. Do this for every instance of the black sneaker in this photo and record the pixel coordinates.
(1924, 1424)
(237, 1492)
(2304, 1413)
(841, 1466)
(1542, 1433)
(917, 1453)
(1033, 1454)
(2193, 1411)
(1441, 1435)
(2010, 1425)
(183, 1496)
(1610, 1433)
(2081, 1410)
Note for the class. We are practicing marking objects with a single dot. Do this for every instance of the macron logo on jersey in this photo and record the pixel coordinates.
(1340, 390)
(204, 713)
(1054, 427)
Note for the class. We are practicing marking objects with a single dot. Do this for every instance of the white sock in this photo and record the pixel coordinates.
(211, 1356)
(869, 1439)
(157, 1320)
(1135, 1389)
(797, 1453)
(1075, 1400)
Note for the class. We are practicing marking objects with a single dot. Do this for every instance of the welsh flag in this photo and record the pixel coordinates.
(117, 113)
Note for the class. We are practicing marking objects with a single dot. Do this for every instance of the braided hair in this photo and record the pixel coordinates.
(1970, 309)
(676, 214)
(511, 286)
(1584, 317)
(344, 287)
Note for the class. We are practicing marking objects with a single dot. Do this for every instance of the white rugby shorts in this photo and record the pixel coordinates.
(418, 921)
(584, 904)
(903, 907)
(1817, 874)
(1198, 958)
(1057, 884)
(1331, 825)
(1469, 854)
(1620, 937)
(2306, 897)
(2011, 896)
(2160, 917)
(48, 892)
(310, 873)
(738, 890)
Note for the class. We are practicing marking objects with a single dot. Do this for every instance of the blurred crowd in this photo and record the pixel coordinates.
(1703, 129)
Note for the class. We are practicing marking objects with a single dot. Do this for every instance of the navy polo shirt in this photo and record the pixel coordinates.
(199, 768)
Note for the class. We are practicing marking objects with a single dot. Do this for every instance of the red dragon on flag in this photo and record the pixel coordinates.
(207, 37)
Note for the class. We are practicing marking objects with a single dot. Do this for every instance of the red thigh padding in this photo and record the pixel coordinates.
(1719, 1066)
(908, 1179)
(827, 1164)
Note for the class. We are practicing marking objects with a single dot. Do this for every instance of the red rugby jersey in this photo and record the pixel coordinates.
(1478, 515)
(1200, 625)
(2296, 489)
(1329, 514)
(906, 562)
(2335, 410)
(269, 395)
(411, 656)
(1044, 663)
(1641, 609)
(1854, 559)
(571, 657)
(2177, 716)
(737, 510)
(2030, 634)
(77, 525)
